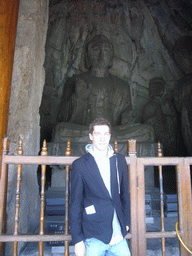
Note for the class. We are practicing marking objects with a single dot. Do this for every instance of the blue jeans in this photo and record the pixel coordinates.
(97, 248)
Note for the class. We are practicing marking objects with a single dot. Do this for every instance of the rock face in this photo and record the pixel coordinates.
(26, 92)
(143, 34)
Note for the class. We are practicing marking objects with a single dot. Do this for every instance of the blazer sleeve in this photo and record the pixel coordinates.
(76, 203)
(124, 189)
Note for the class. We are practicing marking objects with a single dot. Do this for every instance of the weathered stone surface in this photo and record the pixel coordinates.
(143, 34)
(27, 85)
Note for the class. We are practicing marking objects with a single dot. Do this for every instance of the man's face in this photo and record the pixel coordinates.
(100, 55)
(100, 137)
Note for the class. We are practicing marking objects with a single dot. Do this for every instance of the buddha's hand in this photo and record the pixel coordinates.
(128, 117)
(82, 89)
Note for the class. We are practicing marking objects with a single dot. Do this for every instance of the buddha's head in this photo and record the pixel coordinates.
(156, 87)
(99, 53)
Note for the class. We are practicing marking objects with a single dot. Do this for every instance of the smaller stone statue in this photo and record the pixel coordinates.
(97, 93)
(183, 90)
(160, 113)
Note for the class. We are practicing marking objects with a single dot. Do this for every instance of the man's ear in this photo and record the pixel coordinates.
(90, 136)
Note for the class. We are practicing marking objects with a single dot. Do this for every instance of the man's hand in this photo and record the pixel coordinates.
(80, 249)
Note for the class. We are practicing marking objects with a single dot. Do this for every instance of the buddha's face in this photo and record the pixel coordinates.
(100, 55)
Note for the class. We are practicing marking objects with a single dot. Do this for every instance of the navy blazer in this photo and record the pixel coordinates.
(88, 189)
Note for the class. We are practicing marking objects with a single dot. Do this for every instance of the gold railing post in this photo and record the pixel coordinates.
(17, 199)
(42, 210)
(184, 204)
(67, 170)
(160, 154)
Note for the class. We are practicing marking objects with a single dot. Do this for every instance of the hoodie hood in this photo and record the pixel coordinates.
(89, 149)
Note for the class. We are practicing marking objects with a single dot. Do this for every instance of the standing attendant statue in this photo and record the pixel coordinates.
(183, 91)
(97, 93)
(161, 114)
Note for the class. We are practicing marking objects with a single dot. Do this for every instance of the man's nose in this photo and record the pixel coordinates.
(102, 137)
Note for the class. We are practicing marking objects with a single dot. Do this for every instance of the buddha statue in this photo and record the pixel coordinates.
(97, 93)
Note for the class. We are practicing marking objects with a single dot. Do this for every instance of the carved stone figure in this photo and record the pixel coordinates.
(97, 93)
(160, 113)
(183, 91)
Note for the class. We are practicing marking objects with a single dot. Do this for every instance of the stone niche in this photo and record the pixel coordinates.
(49, 49)
(143, 34)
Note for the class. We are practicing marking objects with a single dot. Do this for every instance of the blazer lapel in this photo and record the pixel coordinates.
(95, 173)
(114, 184)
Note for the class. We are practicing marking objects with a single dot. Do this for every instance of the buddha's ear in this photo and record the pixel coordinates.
(111, 63)
(111, 60)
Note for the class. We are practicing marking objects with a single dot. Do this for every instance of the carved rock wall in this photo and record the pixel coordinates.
(143, 34)
(26, 92)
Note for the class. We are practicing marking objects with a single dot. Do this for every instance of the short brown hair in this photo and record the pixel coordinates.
(99, 121)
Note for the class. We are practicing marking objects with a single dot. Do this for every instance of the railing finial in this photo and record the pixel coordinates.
(115, 146)
(44, 149)
(131, 147)
(68, 149)
(159, 150)
(20, 148)
(5, 145)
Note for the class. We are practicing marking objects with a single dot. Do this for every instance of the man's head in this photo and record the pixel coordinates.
(99, 52)
(100, 134)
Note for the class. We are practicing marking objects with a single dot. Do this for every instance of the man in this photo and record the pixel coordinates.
(99, 204)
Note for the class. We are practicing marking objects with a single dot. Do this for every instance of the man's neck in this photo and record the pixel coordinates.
(99, 153)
